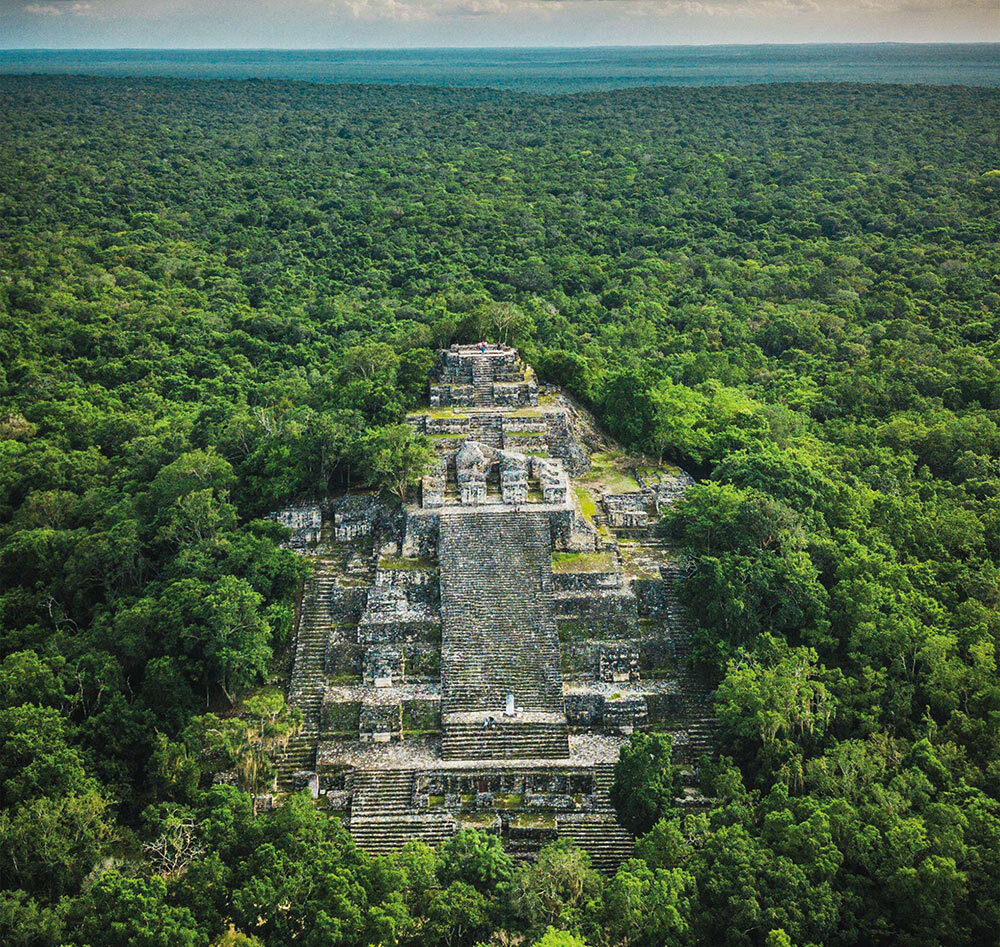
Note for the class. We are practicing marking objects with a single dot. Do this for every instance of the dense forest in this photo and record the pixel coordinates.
(217, 297)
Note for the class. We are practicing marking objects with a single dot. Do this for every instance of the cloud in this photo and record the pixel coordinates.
(408, 11)
(74, 8)
(722, 7)
(412, 11)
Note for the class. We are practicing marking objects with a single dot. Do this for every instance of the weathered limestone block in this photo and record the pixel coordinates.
(343, 659)
(555, 493)
(652, 596)
(472, 492)
(670, 488)
(432, 485)
(617, 662)
(528, 442)
(346, 604)
(624, 713)
(423, 660)
(447, 395)
(571, 532)
(420, 536)
(338, 717)
(471, 470)
(656, 655)
(551, 478)
(399, 632)
(662, 708)
(450, 426)
(304, 521)
(626, 510)
(471, 462)
(609, 613)
(421, 715)
(562, 443)
(419, 585)
(384, 666)
(380, 722)
(513, 477)
(506, 395)
(584, 711)
(389, 603)
(578, 658)
(517, 424)
(487, 428)
(355, 517)
(585, 581)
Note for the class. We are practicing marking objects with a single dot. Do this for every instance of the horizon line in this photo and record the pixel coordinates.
(399, 48)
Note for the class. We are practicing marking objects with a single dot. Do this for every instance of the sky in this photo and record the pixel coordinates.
(326, 24)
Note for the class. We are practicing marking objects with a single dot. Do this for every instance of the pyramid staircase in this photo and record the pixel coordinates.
(598, 833)
(317, 625)
(382, 816)
(499, 638)
(482, 381)
(699, 723)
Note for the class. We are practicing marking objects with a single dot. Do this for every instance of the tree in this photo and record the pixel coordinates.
(646, 782)
(457, 914)
(49, 845)
(555, 938)
(395, 458)
(648, 906)
(135, 912)
(246, 743)
(774, 693)
(37, 756)
(221, 627)
(555, 889)
(629, 409)
(477, 858)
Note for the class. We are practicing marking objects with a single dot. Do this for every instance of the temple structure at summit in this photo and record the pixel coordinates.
(478, 657)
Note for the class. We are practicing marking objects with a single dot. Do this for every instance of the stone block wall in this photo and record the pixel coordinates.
(585, 581)
(608, 614)
(305, 522)
(562, 443)
(571, 532)
(420, 538)
(339, 718)
(581, 657)
(344, 658)
(380, 722)
(652, 597)
(626, 510)
(545, 789)
(384, 665)
(399, 632)
(617, 662)
(595, 711)
(421, 715)
(354, 517)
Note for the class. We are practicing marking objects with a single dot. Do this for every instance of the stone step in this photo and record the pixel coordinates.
(498, 634)
(381, 792)
(601, 837)
(385, 835)
(534, 741)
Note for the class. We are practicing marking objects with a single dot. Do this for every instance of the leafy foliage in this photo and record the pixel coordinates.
(217, 298)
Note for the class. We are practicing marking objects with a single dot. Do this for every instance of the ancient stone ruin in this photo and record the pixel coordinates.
(479, 658)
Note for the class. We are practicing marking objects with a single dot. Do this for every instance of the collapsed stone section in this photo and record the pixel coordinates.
(500, 677)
